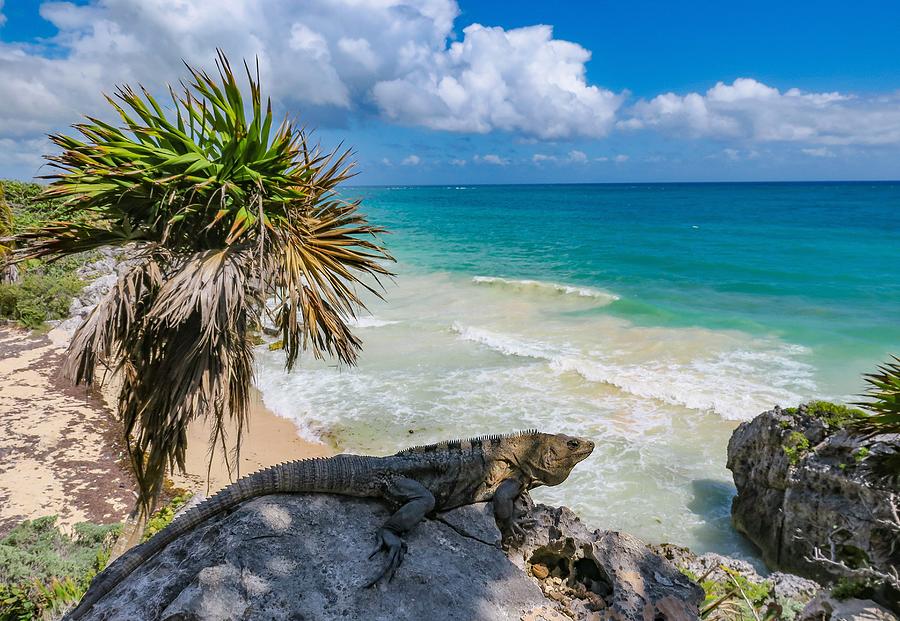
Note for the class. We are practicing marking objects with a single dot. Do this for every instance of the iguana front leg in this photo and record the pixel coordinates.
(417, 501)
(504, 501)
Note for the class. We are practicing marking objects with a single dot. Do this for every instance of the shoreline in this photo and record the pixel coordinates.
(61, 452)
(268, 440)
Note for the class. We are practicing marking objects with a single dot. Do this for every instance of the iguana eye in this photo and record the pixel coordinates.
(572, 444)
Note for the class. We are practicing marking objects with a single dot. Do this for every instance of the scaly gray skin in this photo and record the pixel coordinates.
(419, 481)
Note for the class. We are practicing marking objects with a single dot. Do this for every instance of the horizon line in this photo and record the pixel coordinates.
(537, 183)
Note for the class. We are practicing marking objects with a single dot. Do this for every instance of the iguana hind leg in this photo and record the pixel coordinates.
(417, 501)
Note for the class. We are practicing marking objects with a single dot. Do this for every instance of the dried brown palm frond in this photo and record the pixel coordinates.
(227, 214)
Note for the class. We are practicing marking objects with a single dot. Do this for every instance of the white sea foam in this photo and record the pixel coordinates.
(369, 321)
(541, 286)
(655, 399)
(503, 343)
(736, 384)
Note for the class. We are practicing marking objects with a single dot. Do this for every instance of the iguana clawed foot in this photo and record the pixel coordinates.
(513, 531)
(395, 547)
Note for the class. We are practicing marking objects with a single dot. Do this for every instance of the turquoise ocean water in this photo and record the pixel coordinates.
(652, 318)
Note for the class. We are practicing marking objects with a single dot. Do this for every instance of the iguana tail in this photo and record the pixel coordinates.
(342, 474)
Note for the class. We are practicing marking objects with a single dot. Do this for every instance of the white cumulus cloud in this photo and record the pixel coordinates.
(750, 110)
(396, 58)
(819, 152)
(520, 80)
(411, 160)
(492, 158)
(578, 157)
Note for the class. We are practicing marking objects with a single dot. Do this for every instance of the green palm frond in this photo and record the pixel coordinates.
(884, 403)
(884, 399)
(227, 211)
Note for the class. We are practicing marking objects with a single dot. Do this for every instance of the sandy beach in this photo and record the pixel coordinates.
(60, 451)
(270, 439)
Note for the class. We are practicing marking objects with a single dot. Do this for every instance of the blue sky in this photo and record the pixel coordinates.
(435, 91)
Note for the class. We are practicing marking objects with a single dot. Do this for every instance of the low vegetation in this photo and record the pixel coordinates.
(796, 447)
(735, 598)
(43, 570)
(33, 292)
(834, 415)
(164, 516)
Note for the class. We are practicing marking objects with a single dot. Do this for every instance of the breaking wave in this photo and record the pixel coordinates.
(736, 384)
(368, 321)
(540, 286)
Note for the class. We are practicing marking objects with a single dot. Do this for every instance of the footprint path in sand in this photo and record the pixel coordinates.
(59, 451)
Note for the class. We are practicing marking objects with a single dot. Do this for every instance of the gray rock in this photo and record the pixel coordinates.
(604, 574)
(827, 496)
(825, 608)
(789, 586)
(305, 557)
(101, 275)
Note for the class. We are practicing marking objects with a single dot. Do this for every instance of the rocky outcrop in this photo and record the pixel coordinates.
(804, 482)
(306, 557)
(100, 273)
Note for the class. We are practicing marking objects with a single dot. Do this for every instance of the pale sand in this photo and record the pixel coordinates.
(60, 453)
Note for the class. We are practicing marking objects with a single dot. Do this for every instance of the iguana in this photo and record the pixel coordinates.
(419, 481)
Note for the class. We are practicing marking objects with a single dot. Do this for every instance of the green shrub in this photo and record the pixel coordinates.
(38, 297)
(834, 415)
(796, 447)
(845, 588)
(27, 212)
(164, 516)
(6, 219)
(43, 570)
(44, 290)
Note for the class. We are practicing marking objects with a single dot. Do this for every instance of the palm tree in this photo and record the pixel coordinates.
(233, 225)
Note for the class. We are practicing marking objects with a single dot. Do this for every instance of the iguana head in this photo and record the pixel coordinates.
(549, 458)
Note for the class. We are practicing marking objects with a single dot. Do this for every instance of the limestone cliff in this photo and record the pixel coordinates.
(805, 482)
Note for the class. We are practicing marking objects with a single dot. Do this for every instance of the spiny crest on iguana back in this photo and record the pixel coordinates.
(450, 445)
